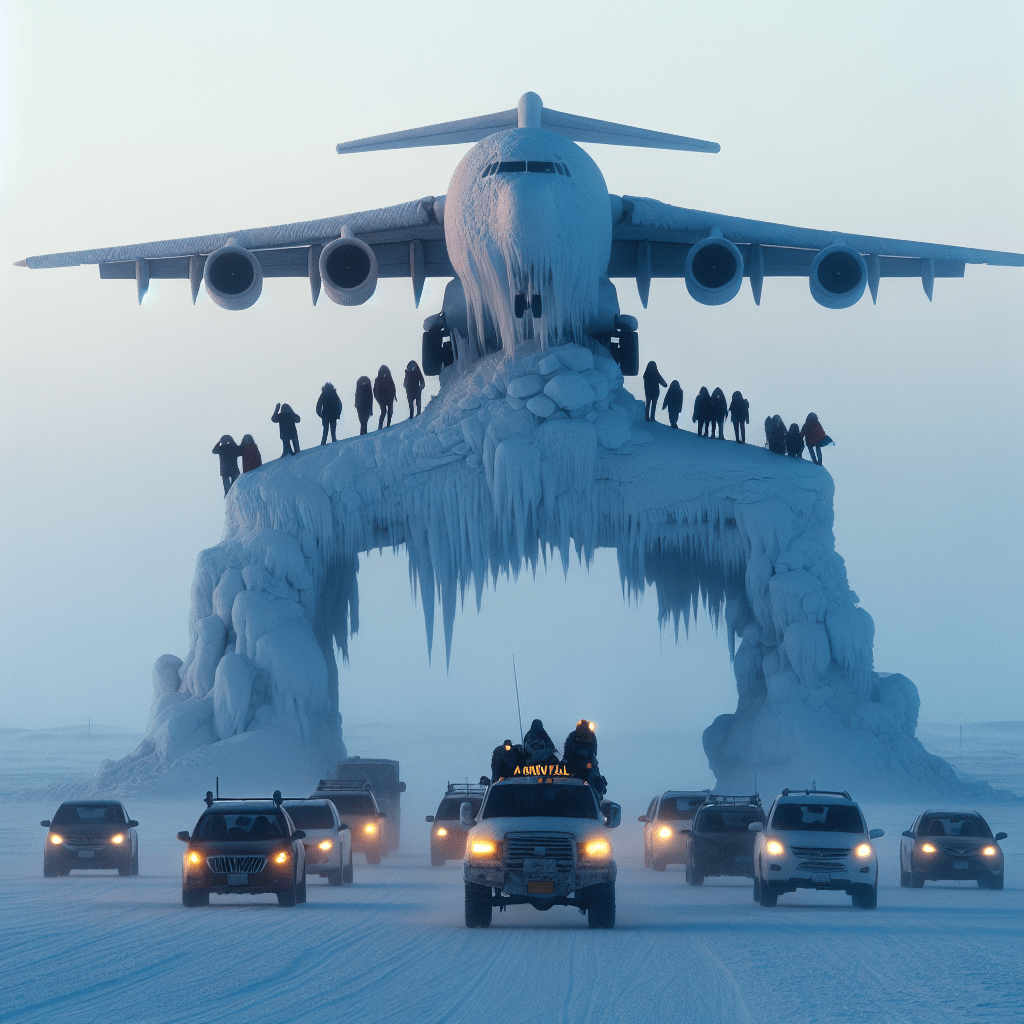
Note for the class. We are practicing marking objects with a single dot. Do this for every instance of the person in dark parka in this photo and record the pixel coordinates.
(794, 442)
(384, 392)
(251, 458)
(739, 411)
(328, 408)
(228, 452)
(414, 385)
(579, 755)
(719, 409)
(538, 745)
(286, 420)
(674, 403)
(814, 434)
(506, 759)
(364, 402)
(702, 411)
(776, 431)
(653, 383)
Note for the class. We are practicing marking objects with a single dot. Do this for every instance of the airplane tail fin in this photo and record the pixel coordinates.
(530, 113)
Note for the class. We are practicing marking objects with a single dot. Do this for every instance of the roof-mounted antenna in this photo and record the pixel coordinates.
(519, 708)
(529, 113)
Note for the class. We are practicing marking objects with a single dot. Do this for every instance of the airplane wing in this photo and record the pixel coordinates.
(407, 240)
(653, 239)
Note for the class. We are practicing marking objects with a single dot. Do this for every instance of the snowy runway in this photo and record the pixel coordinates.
(392, 947)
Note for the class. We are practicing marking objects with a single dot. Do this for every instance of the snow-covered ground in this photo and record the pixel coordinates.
(392, 947)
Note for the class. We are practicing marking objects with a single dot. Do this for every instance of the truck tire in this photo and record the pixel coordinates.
(336, 878)
(601, 905)
(300, 890)
(478, 906)
(437, 860)
(346, 871)
(692, 878)
(767, 896)
(194, 899)
(865, 896)
(658, 865)
(288, 897)
(757, 889)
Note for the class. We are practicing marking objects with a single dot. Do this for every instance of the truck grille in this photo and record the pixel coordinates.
(544, 845)
(224, 865)
(820, 852)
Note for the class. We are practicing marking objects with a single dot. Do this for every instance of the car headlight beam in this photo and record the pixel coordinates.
(56, 839)
(774, 848)
(664, 832)
(193, 857)
(597, 849)
(989, 851)
(370, 828)
(441, 832)
(483, 848)
(281, 858)
(117, 840)
(927, 848)
(326, 844)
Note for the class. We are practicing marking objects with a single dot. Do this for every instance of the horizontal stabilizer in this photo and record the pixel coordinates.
(531, 113)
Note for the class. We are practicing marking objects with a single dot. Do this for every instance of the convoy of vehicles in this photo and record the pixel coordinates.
(720, 841)
(328, 840)
(667, 827)
(541, 841)
(90, 834)
(951, 845)
(448, 836)
(815, 839)
(381, 775)
(243, 846)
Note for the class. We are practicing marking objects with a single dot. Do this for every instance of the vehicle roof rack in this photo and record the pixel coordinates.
(357, 786)
(721, 798)
(218, 799)
(819, 792)
(468, 788)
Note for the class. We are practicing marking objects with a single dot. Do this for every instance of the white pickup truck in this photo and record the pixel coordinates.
(542, 841)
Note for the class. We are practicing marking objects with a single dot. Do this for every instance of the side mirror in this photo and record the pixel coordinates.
(1000, 835)
(429, 817)
(298, 834)
(876, 833)
(45, 824)
(643, 817)
(401, 787)
(755, 826)
(132, 823)
(381, 814)
(908, 834)
(466, 818)
(184, 837)
(342, 826)
(612, 813)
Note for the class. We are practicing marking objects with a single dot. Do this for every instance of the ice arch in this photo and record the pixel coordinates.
(517, 457)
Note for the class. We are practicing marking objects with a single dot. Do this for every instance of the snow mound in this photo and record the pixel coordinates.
(522, 455)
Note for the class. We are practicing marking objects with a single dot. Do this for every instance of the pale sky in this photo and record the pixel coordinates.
(126, 123)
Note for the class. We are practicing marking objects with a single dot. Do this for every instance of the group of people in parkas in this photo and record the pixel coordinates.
(328, 408)
(579, 755)
(710, 412)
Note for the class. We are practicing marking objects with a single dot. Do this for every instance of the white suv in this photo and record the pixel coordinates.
(815, 839)
(328, 843)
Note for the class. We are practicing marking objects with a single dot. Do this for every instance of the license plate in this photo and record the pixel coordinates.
(540, 888)
(821, 879)
(238, 879)
(86, 853)
(961, 865)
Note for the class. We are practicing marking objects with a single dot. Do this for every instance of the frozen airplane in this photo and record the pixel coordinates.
(531, 238)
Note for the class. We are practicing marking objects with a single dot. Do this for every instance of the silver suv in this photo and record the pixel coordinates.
(328, 840)
(815, 839)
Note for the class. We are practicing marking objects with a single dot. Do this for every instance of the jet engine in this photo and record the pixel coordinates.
(233, 277)
(714, 270)
(348, 269)
(838, 276)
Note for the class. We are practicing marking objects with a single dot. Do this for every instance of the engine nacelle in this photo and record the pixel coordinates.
(233, 277)
(714, 271)
(348, 269)
(838, 276)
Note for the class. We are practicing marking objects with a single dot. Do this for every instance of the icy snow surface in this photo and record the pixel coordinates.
(392, 947)
(518, 458)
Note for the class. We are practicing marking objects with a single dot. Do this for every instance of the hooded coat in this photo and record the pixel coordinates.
(286, 420)
(328, 405)
(673, 400)
(505, 759)
(414, 382)
(384, 387)
(739, 408)
(364, 399)
(653, 380)
(228, 452)
(251, 458)
(701, 409)
(794, 442)
(812, 431)
(776, 431)
(719, 407)
(538, 745)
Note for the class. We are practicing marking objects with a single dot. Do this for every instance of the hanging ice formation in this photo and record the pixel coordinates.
(534, 445)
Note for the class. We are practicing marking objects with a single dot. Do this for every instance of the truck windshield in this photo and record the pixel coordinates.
(818, 818)
(545, 800)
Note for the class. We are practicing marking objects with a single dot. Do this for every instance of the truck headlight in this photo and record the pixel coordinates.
(117, 840)
(927, 848)
(774, 848)
(597, 849)
(56, 839)
(664, 832)
(370, 828)
(864, 850)
(281, 858)
(441, 832)
(989, 851)
(326, 845)
(484, 850)
(193, 857)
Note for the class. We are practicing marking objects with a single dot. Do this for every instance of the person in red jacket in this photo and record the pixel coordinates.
(251, 458)
(814, 435)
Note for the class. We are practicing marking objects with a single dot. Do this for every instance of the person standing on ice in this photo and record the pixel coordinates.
(775, 430)
(286, 420)
(228, 452)
(794, 442)
(719, 409)
(251, 458)
(384, 392)
(653, 383)
(814, 434)
(674, 403)
(364, 402)
(328, 408)
(702, 411)
(414, 385)
(739, 411)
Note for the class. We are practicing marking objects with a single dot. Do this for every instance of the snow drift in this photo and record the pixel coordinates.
(519, 457)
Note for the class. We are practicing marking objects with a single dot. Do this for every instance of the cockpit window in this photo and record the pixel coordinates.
(540, 166)
(511, 166)
(530, 166)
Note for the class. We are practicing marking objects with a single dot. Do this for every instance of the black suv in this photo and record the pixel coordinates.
(243, 846)
(448, 836)
(90, 834)
(721, 842)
